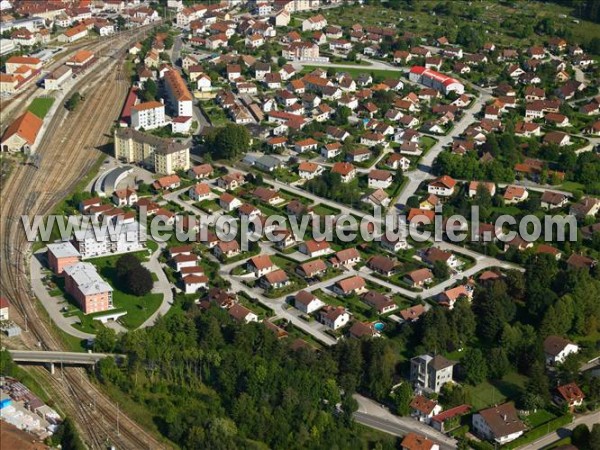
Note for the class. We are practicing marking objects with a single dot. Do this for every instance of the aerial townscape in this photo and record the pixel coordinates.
(179, 180)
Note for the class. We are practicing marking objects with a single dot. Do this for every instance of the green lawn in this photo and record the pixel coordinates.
(324, 210)
(540, 417)
(495, 392)
(356, 71)
(138, 308)
(40, 106)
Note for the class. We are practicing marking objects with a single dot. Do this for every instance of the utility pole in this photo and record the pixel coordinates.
(118, 433)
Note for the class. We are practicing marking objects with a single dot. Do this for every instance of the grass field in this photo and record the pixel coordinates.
(40, 106)
(420, 19)
(496, 392)
(356, 71)
(138, 308)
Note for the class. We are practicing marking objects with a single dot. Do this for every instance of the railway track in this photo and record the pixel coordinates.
(19, 102)
(68, 151)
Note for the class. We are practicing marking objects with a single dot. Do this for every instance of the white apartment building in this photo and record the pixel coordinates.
(179, 97)
(114, 238)
(148, 115)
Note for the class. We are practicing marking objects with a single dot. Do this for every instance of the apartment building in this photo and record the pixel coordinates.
(83, 282)
(148, 115)
(164, 156)
(179, 96)
(61, 255)
(120, 238)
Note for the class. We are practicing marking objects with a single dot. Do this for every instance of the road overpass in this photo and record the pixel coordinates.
(51, 358)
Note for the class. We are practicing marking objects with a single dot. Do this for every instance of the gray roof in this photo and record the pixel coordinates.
(439, 362)
(63, 250)
(87, 279)
(161, 145)
(269, 161)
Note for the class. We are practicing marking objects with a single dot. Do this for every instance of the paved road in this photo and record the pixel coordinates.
(423, 171)
(588, 419)
(372, 414)
(162, 286)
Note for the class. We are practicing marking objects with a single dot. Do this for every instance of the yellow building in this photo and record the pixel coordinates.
(164, 156)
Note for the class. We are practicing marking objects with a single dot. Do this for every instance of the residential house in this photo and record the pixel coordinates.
(311, 269)
(414, 441)
(557, 348)
(380, 302)
(551, 200)
(442, 186)
(260, 265)
(431, 373)
(226, 249)
(346, 258)
(419, 277)
(276, 279)
(570, 395)
(242, 314)
(228, 202)
(349, 286)
(334, 317)
(307, 303)
(423, 409)
(346, 171)
(474, 186)
(380, 179)
(500, 424)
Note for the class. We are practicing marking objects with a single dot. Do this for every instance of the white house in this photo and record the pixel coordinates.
(334, 317)
(423, 409)
(499, 424)
(307, 302)
(557, 349)
(380, 179)
(442, 186)
(194, 282)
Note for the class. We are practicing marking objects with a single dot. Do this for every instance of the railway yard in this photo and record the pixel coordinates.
(129, 122)
(36, 191)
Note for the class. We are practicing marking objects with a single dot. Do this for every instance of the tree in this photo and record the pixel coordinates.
(126, 263)
(580, 436)
(228, 142)
(498, 363)
(401, 399)
(139, 281)
(73, 101)
(537, 388)
(475, 366)
(70, 437)
(105, 341)
(150, 90)
(441, 270)
(133, 277)
(594, 439)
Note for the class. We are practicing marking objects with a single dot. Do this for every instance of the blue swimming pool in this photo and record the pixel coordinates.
(379, 326)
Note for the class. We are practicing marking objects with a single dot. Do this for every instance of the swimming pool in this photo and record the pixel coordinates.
(379, 326)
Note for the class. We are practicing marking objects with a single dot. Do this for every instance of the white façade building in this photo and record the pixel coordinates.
(113, 238)
(148, 115)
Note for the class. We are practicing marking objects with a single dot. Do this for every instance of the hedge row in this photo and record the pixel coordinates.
(540, 431)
